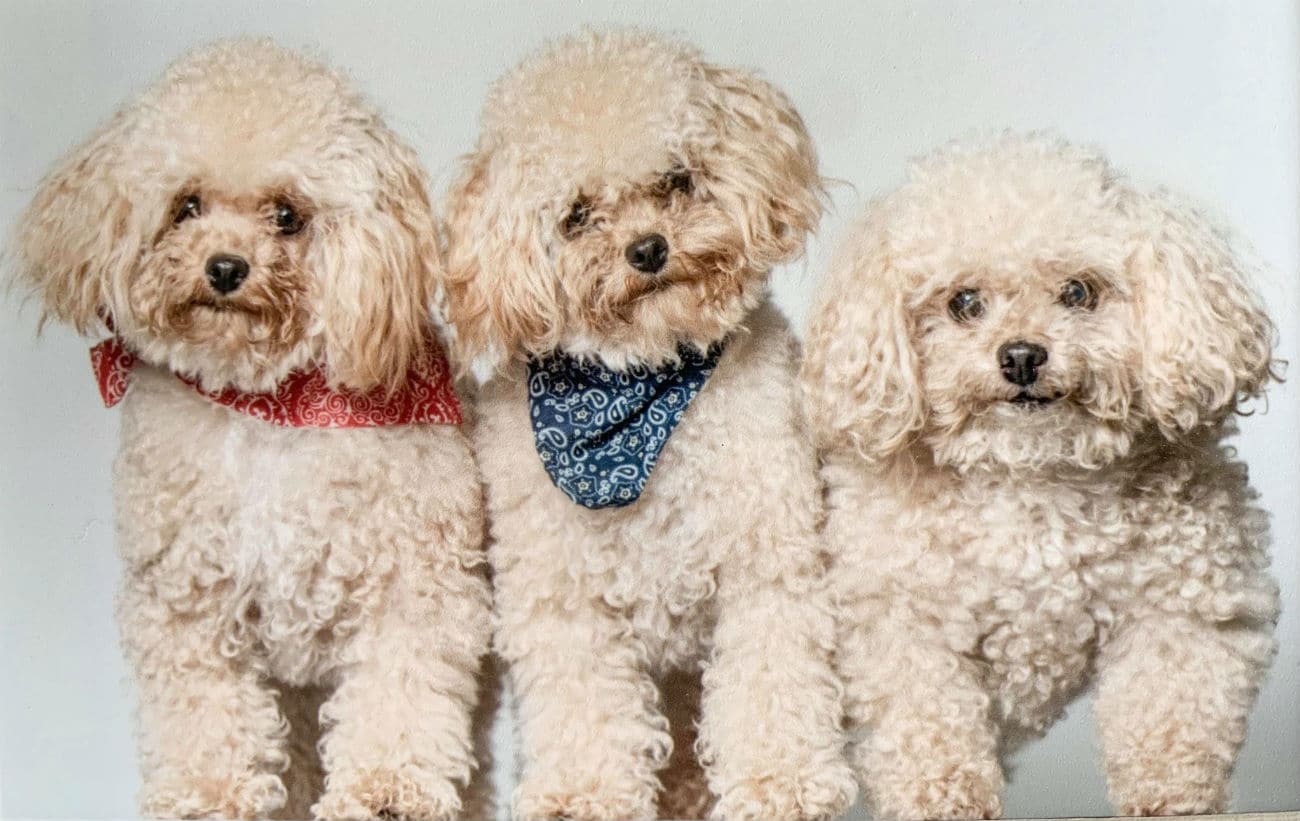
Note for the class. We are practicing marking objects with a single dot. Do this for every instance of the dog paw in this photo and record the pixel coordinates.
(584, 805)
(401, 794)
(1167, 783)
(1164, 800)
(255, 795)
(787, 798)
(963, 794)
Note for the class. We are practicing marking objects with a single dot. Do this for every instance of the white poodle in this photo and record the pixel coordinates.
(611, 236)
(300, 532)
(1022, 373)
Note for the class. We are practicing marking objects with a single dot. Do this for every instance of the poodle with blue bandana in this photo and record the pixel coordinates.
(652, 494)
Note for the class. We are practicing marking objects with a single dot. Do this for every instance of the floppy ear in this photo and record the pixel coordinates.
(1207, 342)
(378, 264)
(769, 176)
(860, 372)
(84, 230)
(500, 295)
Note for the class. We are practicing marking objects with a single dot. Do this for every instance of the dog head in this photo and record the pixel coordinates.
(247, 215)
(624, 197)
(1020, 303)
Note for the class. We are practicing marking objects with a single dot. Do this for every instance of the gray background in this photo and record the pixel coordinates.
(1201, 95)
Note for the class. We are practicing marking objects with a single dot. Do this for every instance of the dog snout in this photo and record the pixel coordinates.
(226, 272)
(1020, 362)
(648, 254)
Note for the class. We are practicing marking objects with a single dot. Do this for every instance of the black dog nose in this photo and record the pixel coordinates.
(1020, 362)
(226, 272)
(648, 254)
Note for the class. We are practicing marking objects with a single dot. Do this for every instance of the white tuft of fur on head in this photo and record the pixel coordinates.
(248, 150)
(1144, 312)
(604, 138)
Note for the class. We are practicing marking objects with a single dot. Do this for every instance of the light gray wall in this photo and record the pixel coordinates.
(1202, 95)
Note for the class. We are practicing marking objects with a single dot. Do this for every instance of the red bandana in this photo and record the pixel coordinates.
(305, 399)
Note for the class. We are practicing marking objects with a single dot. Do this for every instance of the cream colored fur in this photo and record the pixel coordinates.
(992, 559)
(607, 617)
(276, 579)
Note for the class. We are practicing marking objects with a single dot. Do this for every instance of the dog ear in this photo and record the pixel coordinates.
(1207, 342)
(768, 178)
(83, 232)
(860, 372)
(500, 296)
(378, 262)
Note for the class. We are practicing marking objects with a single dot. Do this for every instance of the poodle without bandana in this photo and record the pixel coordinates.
(627, 198)
(1022, 374)
(250, 216)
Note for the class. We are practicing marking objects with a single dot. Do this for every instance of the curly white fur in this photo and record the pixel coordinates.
(275, 578)
(710, 588)
(993, 556)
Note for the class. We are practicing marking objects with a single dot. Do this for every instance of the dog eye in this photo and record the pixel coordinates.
(1078, 293)
(679, 179)
(287, 220)
(966, 305)
(189, 208)
(577, 217)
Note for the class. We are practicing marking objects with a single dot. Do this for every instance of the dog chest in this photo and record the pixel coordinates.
(1033, 612)
(289, 540)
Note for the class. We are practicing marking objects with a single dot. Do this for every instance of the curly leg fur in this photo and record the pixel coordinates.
(931, 750)
(211, 737)
(1171, 705)
(398, 736)
(592, 737)
(771, 727)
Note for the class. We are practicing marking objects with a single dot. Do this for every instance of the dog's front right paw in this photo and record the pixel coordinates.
(965, 793)
(597, 804)
(254, 795)
(1163, 796)
(394, 794)
(788, 798)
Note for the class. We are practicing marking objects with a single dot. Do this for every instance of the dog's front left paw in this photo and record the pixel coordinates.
(403, 794)
(788, 798)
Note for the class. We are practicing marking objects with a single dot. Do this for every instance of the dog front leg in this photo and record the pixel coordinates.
(771, 716)
(931, 750)
(1172, 701)
(592, 736)
(398, 740)
(211, 736)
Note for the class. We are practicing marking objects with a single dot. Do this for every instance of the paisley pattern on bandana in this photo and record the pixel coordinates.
(599, 432)
(305, 399)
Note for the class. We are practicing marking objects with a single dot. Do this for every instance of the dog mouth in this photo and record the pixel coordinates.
(1025, 399)
(206, 314)
(218, 306)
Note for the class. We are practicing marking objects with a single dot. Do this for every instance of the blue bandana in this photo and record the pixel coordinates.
(599, 432)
